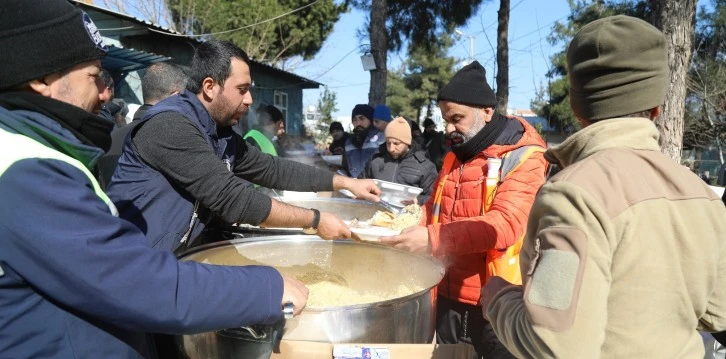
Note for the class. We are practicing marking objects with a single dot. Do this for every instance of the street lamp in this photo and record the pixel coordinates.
(471, 44)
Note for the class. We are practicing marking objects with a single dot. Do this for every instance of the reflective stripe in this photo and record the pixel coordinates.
(498, 263)
(510, 162)
(446, 168)
(27, 148)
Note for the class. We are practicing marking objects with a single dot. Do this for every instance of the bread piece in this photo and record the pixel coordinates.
(383, 219)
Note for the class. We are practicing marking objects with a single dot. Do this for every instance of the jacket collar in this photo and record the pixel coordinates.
(383, 152)
(205, 120)
(633, 133)
(530, 137)
(50, 133)
(187, 104)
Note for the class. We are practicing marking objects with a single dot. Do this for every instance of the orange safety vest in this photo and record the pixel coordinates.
(500, 263)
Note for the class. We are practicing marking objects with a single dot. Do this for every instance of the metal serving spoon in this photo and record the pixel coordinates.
(391, 208)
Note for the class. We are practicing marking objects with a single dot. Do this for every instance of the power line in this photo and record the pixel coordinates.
(496, 21)
(337, 63)
(538, 29)
(314, 78)
(243, 27)
(525, 35)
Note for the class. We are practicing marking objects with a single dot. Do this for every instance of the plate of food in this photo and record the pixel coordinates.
(384, 223)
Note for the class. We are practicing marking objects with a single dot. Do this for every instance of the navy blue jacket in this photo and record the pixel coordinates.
(76, 281)
(355, 158)
(147, 198)
(178, 156)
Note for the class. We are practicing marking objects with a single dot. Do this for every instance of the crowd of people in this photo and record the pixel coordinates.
(620, 254)
(389, 149)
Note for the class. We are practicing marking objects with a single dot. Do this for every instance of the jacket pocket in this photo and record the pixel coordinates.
(555, 277)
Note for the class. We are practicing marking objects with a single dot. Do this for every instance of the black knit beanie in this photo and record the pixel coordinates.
(40, 37)
(469, 87)
(617, 66)
(362, 109)
(335, 125)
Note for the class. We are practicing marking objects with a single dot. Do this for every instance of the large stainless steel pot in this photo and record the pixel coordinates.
(366, 267)
(345, 208)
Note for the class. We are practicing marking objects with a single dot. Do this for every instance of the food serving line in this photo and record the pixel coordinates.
(360, 292)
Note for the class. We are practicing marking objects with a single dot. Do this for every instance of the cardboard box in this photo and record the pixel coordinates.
(314, 350)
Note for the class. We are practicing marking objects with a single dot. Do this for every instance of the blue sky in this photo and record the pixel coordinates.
(530, 23)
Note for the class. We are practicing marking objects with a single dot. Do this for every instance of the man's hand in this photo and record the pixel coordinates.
(413, 239)
(493, 286)
(295, 292)
(331, 227)
(362, 188)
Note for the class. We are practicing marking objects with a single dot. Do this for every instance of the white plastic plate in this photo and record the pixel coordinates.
(373, 233)
(396, 193)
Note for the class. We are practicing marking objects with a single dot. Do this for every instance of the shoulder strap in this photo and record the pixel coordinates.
(510, 161)
(513, 159)
(449, 160)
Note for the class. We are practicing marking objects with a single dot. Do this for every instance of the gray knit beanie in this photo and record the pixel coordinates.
(617, 65)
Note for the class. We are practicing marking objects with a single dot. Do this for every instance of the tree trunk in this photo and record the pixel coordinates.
(379, 49)
(676, 18)
(503, 56)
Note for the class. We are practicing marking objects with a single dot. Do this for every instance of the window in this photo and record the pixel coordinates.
(281, 104)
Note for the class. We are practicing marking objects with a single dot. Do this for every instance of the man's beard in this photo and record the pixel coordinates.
(399, 155)
(359, 135)
(457, 138)
(222, 112)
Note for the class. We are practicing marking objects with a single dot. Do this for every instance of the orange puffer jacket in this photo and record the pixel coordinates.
(463, 234)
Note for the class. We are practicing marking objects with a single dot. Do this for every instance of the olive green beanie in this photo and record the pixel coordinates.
(617, 65)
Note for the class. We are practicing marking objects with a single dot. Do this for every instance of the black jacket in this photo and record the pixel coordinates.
(436, 148)
(338, 146)
(107, 163)
(414, 169)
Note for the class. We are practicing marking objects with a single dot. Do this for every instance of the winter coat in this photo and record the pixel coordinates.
(145, 195)
(624, 255)
(463, 234)
(413, 169)
(355, 158)
(76, 281)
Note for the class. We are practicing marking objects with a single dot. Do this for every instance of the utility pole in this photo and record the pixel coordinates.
(471, 49)
(471, 44)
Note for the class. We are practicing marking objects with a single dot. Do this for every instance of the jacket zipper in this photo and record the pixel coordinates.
(456, 191)
(195, 214)
(395, 172)
(451, 214)
(191, 222)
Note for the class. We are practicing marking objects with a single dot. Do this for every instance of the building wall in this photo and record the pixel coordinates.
(265, 80)
(263, 92)
(128, 88)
